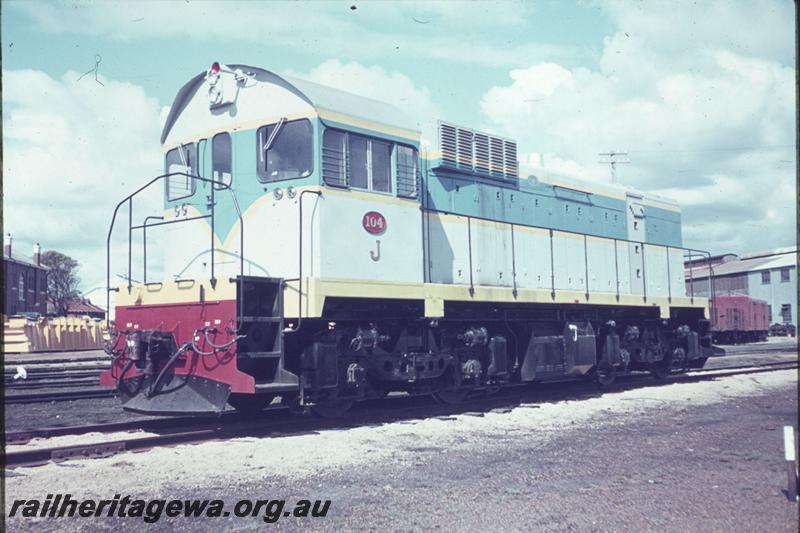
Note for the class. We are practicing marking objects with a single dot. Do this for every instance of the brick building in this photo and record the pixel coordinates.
(24, 281)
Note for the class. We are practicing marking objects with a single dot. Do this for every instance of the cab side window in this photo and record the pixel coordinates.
(285, 150)
(334, 158)
(407, 171)
(381, 167)
(356, 161)
(181, 162)
(358, 147)
(221, 160)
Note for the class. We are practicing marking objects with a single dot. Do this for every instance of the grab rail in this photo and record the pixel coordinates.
(296, 328)
(615, 240)
(129, 200)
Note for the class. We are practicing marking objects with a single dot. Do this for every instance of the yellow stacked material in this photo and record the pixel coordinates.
(53, 334)
(14, 335)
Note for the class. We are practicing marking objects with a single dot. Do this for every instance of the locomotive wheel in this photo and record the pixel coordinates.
(661, 369)
(332, 408)
(451, 397)
(450, 391)
(605, 375)
(250, 403)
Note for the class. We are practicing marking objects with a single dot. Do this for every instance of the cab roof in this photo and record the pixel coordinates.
(320, 97)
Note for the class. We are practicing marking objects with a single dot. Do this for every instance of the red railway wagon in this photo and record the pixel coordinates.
(739, 318)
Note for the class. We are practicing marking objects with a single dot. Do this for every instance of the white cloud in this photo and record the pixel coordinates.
(375, 82)
(706, 114)
(372, 32)
(72, 150)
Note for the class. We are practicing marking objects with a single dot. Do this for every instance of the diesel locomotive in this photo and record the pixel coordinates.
(314, 254)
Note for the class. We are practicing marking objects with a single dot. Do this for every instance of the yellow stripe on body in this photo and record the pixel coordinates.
(316, 290)
(411, 135)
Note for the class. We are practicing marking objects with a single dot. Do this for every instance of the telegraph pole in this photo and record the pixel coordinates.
(614, 160)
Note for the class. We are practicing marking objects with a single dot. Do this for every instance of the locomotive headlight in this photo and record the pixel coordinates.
(214, 94)
(277, 194)
(214, 90)
(212, 74)
(291, 192)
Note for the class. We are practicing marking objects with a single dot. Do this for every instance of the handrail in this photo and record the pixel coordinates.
(300, 261)
(469, 245)
(644, 274)
(691, 277)
(616, 266)
(669, 280)
(552, 267)
(711, 287)
(129, 199)
(614, 240)
(703, 252)
(513, 263)
(586, 263)
(712, 292)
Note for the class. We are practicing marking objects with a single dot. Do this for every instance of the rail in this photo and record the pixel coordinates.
(216, 184)
(692, 255)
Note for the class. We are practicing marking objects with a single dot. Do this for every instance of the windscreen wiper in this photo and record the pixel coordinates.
(274, 134)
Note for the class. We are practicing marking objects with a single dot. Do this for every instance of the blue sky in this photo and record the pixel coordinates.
(701, 94)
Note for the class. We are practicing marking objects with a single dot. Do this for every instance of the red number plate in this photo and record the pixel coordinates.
(374, 222)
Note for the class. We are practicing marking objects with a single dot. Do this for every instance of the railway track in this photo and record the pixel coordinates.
(46, 373)
(748, 349)
(59, 396)
(56, 384)
(278, 420)
(774, 365)
(44, 382)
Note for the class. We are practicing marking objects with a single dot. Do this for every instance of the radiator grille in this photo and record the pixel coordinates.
(478, 152)
(447, 144)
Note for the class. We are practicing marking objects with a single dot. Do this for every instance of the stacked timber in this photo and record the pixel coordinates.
(64, 333)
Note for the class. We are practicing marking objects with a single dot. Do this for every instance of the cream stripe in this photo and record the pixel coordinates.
(325, 114)
(317, 290)
(170, 292)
